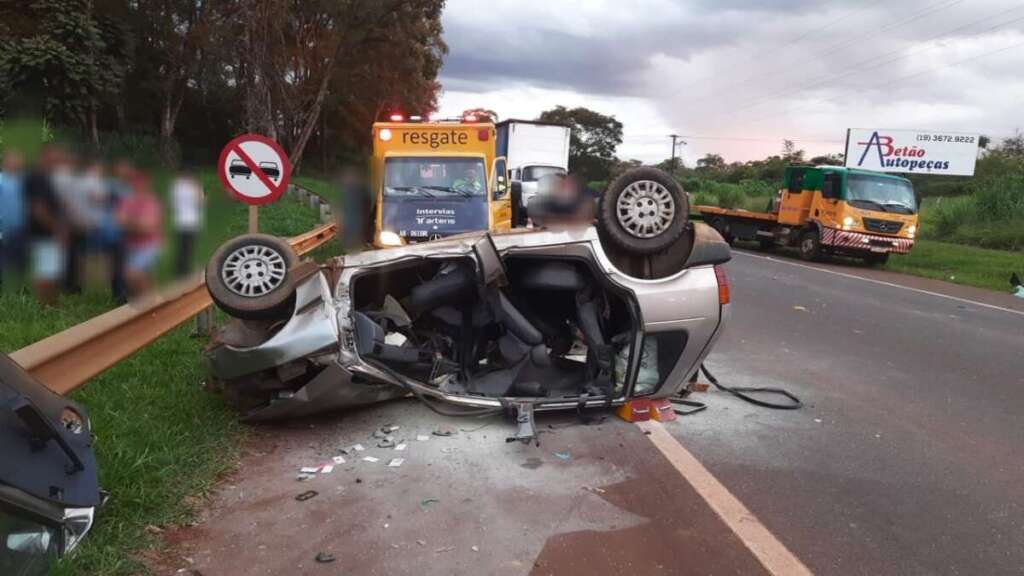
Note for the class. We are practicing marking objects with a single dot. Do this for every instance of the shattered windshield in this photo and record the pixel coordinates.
(880, 193)
(434, 177)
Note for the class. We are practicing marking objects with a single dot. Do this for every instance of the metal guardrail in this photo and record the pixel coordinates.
(68, 359)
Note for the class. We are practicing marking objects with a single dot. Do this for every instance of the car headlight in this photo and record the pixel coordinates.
(389, 238)
(912, 231)
(848, 222)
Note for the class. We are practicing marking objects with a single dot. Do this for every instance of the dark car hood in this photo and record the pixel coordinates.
(40, 455)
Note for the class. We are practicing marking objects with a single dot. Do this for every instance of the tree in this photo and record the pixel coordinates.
(482, 114)
(711, 162)
(790, 153)
(593, 140)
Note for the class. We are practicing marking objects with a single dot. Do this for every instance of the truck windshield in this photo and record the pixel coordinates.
(880, 193)
(534, 173)
(435, 176)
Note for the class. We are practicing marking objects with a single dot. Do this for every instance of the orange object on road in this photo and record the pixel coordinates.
(635, 410)
(662, 410)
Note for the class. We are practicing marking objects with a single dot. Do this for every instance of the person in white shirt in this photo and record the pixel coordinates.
(187, 205)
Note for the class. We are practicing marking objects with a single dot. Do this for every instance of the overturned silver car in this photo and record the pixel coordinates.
(525, 320)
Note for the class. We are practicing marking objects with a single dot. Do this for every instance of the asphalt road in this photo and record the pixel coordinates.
(907, 458)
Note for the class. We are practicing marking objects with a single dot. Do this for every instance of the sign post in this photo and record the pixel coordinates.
(255, 170)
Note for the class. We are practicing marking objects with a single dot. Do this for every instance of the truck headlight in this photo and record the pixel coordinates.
(389, 238)
(848, 222)
(912, 231)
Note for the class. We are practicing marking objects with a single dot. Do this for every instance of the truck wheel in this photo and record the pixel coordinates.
(643, 211)
(876, 259)
(810, 245)
(247, 277)
(720, 225)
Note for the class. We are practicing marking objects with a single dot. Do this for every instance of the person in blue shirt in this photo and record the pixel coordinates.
(12, 218)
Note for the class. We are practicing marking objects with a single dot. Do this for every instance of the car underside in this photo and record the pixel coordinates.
(517, 321)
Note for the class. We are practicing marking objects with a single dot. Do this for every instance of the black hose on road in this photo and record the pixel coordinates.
(741, 392)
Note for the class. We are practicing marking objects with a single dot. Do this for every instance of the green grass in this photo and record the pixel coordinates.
(968, 265)
(161, 440)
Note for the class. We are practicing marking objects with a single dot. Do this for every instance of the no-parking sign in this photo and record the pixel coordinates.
(254, 169)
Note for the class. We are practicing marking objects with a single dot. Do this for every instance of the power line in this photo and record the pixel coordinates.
(872, 63)
(945, 4)
(907, 77)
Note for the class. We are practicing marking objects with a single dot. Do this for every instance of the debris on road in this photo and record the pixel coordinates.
(800, 308)
(396, 462)
(309, 469)
(474, 548)
(445, 549)
(338, 459)
(594, 489)
(563, 455)
(421, 542)
(428, 501)
(400, 447)
(370, 459)
(422, 437)
(325, 558)
(444, 432)
(305, 476)
(386, 444)
(327, 469)
(307, 495)
(358, 448)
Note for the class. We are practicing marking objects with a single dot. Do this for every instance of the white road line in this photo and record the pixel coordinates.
(772, 553)
(883, 283)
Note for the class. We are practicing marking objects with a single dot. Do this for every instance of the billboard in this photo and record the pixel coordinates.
(912, 151)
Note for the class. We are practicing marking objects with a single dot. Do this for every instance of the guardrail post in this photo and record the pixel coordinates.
(204, 323)
(314, 201)
(325, 213)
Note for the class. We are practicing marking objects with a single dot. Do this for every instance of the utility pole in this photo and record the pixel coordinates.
(675, 137)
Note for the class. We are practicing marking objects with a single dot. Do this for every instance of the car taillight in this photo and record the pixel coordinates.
(723, 285)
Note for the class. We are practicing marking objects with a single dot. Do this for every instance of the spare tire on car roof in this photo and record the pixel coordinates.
(247, 277)
(643, 211)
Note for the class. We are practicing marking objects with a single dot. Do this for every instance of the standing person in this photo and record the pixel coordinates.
(67, 179)
(187, 204)
(47, 229)
(140, 217)
(111, 232)
(12, 219)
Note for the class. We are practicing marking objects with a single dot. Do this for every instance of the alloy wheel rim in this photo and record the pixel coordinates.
(254, 270)
(645, 209)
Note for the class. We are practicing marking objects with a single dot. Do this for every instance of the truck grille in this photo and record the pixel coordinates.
(883, 226)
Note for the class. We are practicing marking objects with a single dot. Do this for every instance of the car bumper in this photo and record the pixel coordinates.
(846, 241)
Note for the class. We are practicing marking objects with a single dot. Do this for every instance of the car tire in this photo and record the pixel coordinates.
(248, 277)
(643, 211)
(876, 259)
(810, 245)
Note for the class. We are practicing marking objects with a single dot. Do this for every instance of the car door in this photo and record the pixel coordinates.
(500, 196)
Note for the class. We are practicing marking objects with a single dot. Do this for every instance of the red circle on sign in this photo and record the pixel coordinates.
(276, 190)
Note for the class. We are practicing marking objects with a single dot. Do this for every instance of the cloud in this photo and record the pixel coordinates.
(751, 69)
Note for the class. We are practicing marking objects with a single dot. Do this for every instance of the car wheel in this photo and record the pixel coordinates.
(643, 211)
(876, 259)
(247, 277)
(810, 245)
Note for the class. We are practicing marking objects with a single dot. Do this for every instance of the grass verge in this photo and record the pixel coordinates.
(969, 265)
(161, 440)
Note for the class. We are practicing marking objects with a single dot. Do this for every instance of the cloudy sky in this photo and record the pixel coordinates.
(737, 76)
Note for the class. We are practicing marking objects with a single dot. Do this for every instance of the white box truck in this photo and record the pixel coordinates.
(532, 149)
